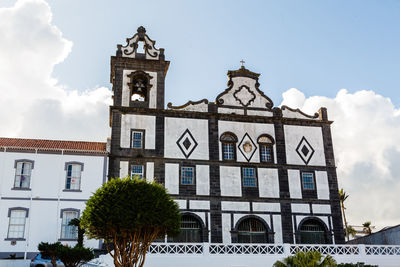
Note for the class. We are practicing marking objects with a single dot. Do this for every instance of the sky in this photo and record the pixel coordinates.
(344, 55)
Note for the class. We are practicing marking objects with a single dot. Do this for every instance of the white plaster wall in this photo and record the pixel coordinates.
(201, 107)
(181, 203)
(175, 127)
(268, 182)
(266, 206)
(322, 184)
(254, 130)
(300, 208)
(286, 113)
(235, 206)
(199, 205)
(203, 180)
(126, 92)
(142, 122)
(202, 216)
(231, 111)
(320, 208)
(226, 228)
(230, 180)
(259, 113)
(293, 136)
(294, 183)
(172, 178)
(149, 172)
(229, 99)
(277, 228)
(123, 169)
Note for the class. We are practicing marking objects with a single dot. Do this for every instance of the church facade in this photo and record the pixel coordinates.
(241, 170)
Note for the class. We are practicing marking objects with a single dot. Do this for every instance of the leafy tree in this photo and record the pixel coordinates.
(74, 256)
(350, 231)
(50, 250)
(307, 259)
(76, 222)
(367, 228)
(129, 214)
(342, 197)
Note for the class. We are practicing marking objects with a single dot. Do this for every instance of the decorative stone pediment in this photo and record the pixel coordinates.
(140, 38)
(243, 91)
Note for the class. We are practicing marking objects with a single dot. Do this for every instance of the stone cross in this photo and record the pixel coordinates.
(242, 61)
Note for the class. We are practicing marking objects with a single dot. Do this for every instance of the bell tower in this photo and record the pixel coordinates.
(138, 73)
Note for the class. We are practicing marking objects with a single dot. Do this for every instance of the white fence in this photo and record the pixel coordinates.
(256, 255)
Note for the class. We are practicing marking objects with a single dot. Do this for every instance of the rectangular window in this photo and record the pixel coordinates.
(249, 177)
(137, 139)
(266, 153)
(16, 226)
(228, 152)
(308, 180)
(69, 231)
(73, 180)
(137, 171)
(23, 174)
(187, 175)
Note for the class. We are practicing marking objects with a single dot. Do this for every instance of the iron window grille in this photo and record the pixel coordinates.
(312, 232)
(252, 231)
(190, 231)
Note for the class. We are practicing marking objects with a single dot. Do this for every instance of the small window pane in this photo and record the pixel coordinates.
(249, 177)
(16, 227)
(137, 171)
(23, 175)
(187, 175)
(266, 153)
(308, 180)
(228, 152)
(69, 231)
(137, 139)
(73, 179)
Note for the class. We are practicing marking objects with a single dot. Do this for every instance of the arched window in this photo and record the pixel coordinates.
(266, 143)
(139, 85)
(191, 230)
(252, 230)
(228, 141)
(312, 232)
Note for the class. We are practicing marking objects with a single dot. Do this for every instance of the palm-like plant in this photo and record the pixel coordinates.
(350, 231)
(342, 197)
(367, 228)
(310, 258)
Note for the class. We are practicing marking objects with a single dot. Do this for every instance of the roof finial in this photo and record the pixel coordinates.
(242, 61)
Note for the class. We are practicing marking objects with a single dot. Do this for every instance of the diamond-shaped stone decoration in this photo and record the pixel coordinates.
(305, 150)
(186, 143)
(244, 95)
(247, 147)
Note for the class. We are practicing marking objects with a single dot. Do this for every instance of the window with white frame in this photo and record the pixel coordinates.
(266, 143)
(137, 171)
(249, 177)
(23, 174)
(228, 141)
(68, 231)
(187, 175)
(16, 225)
(73, 178)
(308, 180)
(137, 139)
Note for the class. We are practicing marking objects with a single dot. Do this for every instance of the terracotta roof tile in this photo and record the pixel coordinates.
(53, 144)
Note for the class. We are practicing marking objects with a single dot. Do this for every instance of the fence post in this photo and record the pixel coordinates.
(286, 250)
(206, 249)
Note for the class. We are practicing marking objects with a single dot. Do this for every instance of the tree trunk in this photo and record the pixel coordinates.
(345, 221)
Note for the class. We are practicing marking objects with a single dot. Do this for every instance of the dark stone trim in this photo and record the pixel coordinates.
(14, 239)
(21, 188)
(240, 148)
(24, 160)
(43, 199)
(316, 115)
(194, 140)
(308, 193)
(216, 220)
(69, 209)
(187, 189)
(18, 208)
(298, 148)
(205, 101)
(72, 190)
(67, 239)
(249, 191)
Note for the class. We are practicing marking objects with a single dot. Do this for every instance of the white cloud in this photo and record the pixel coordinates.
(33, 103)
(366, 138)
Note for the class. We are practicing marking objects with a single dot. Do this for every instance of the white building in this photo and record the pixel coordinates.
(43, 185)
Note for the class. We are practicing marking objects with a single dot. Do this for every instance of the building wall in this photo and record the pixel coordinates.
(46, 197)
